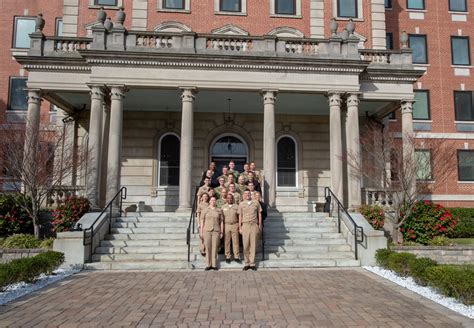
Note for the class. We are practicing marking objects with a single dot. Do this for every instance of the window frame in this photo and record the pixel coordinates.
(426, 46)
(458, 11)
(471, 93)
(428, 103)
(468, 50)
(221, 10)
(389, 36)
(56, 26)
(431, 175)
(96, 3)
(294, 13)
(338, 4)
(459, 166)
(408, 6)
(158, 176)
(389, 4)
(15, 19)
(163, 5)
(296, 162)
(9, 108)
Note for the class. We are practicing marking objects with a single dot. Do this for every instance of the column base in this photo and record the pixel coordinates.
(183, 209)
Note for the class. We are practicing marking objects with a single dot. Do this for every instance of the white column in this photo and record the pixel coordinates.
(94, 146)
(353, 152)
(269, 159)
(408, 145)
(335, 144)
(186, 149)
(32, 130)
(115, 141)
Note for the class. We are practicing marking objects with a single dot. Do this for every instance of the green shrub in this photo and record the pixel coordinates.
(465, 223)
(399, 263)
(21, 241)
(13, 218)
(426, 221)
(439, 241)
(374, 214)
(410, 243)
(418, 268)
(453, 280)
(381, 257)
(67, 214)
(28, 269)
(47, 243)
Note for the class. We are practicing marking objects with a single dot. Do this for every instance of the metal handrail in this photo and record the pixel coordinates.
(192, 220)
(123, 195)
(358, 230)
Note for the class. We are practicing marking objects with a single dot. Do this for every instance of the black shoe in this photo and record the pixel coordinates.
(227, 261)
(246, 268)
(207, 268)
(238, 261)
(203, 254)
(215, 269)
(254, 268)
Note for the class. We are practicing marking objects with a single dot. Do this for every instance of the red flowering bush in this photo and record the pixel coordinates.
(374, 214)
(427, 221)
(13, 218)
(68, 213)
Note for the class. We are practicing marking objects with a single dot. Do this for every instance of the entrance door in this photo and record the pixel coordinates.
(227, 148)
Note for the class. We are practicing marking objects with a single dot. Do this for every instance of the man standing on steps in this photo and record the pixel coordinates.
(250, 226)
(231, 228)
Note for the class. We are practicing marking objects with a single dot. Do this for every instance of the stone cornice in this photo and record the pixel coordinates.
(391, 75)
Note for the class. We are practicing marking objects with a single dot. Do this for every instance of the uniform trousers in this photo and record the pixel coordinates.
(250, 233)
(202, 247)
(211, 242)
(231, 233)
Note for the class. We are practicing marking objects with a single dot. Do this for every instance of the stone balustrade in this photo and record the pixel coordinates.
(59, 195)
(66, 46)
(154, 41)
(237, 44)
(380, 197)
(387, 57)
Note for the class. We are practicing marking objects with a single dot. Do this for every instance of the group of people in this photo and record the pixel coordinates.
(230, 205)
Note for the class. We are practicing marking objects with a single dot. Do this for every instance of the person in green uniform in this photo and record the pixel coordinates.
(233, 170)
(222, 199)
(234, 193)
(211, 230)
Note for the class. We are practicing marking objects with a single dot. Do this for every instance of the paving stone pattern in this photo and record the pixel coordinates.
(299, 298)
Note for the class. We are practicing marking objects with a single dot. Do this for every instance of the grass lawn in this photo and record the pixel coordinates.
(463, 241)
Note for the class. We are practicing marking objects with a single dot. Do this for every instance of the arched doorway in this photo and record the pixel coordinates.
(229, 147)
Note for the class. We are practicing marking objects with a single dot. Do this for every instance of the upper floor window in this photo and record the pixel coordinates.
(285, 7)
(110, 3)
(59, 27)
(389, 41)
(463, 105)
(421, 107)
(18, 96)
(173, 4)
(416, 4)
(423, 162)
(460, 50)
(230, 5)
(388, 3)
(466, 165)
(169, 160)
(418, 44)
(347, 8)
(458, 5)
(24, 26)
(286, 162)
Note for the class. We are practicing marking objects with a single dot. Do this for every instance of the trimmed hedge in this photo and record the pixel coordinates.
(465, 223)
(451, 280)
(21, 241)
(28, 269)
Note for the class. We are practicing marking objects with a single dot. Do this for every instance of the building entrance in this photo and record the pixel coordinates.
(229, 147)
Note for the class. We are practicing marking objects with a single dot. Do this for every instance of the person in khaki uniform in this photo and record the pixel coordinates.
(235, 194)
(201, 208)
(231, 228)
(212, 230)
(250, 226)
(224, 173)
(222, 198)
(204, 189)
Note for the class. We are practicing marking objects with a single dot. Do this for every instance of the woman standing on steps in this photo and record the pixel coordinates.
(201, 208)
(211, 230)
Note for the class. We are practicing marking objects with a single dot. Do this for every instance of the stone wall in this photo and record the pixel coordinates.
(441, 254)
(7, 255)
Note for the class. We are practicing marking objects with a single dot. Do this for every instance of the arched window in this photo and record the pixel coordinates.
(286, 162)
(168, 168)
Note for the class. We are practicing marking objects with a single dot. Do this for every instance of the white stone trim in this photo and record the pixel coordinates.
(274, 14)
(172, 27)
(158, 160)
(317, 18)
(187, 7)
(231, 134)
(296, 163)
(360, 14)
(230, 29)
(287, 32)
(436, 135)
(242, 12)
(70, 16)
(460, 198)
(139, 15)
(94, 6)
(378, 24)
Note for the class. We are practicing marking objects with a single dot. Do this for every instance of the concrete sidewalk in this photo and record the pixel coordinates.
(289, 298)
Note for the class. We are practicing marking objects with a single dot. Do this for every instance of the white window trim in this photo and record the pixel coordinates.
(15, 30)
(296, 163)
(360, 14)
(274, 14)
(187, 7)
(243, 11)
(92, 5)
(159, 159)
(235, 135)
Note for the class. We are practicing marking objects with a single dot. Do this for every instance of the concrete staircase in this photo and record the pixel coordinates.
(157, 241)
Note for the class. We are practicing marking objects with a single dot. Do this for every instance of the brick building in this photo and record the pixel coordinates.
(195, 81)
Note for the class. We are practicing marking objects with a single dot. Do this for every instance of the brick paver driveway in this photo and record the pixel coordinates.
(318, 298)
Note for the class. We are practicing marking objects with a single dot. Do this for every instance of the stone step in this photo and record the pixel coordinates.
(286, 214)
(183, 256)
(164, 220)
(298, 224)
(124, 235)
(137, 265)
(313, 263)
(307, 242)
(184, 225)
(117, 242)
(176, 225)
(307, 248)
(144, 250)
(163, 231)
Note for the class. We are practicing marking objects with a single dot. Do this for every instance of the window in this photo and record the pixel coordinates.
(463, 106)
(418, 45)
(23, 27)
(466, 165)
(173, 4)
(230, 5)
(457, 5)
(423, 165)
(416, 4)
(347, 8)
(389, 41)
(392, 116)
(421, 107)
(285, 7)
(59, 27)
(169, 161)
(388, 3)
(105, 2)
(18, 97)
(460, 52)
(286, 162)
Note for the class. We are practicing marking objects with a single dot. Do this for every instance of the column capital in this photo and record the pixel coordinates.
(188, 94)
(34, 95)
(117, 92)
(269, 96)
(407, 106)
(353, 99)
(98, 91)
(335, 98)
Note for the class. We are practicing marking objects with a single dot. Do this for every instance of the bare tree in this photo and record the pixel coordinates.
(28, 158)
(401, 170)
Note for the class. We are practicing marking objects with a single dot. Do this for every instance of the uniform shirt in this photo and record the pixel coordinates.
(241, 188)
(223, 176)
(220, 202)
(202, 207)
(245, 175)
(248, 211)
(230, 213)
(218, 191)
(201, 191)
(234, 172)
(212, 219)
(237, 197)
